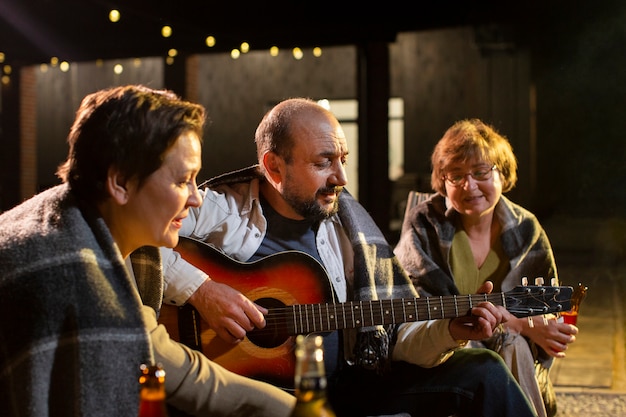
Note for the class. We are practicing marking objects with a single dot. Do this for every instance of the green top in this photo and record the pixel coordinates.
(467, 276)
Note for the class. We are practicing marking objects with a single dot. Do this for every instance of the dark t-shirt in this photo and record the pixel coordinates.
(285, 234)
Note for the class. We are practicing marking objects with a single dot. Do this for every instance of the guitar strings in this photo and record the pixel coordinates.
(312, 318)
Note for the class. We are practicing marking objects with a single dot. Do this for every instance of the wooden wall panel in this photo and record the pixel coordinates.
(445, 75)
(59, 95)
(238, 92)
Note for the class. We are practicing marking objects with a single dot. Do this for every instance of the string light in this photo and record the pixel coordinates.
(166, 31)
(297, 53)
(114, 16)
(6, 78)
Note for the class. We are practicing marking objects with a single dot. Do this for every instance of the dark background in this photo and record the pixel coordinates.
(576, 59)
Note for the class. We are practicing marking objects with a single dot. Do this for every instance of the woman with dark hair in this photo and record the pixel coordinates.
(81, 278)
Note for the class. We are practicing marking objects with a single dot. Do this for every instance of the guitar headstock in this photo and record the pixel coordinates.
(533, 300)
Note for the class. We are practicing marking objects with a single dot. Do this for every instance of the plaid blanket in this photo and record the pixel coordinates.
(72, 332)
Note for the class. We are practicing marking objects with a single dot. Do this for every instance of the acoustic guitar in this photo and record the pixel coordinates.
(295, 288)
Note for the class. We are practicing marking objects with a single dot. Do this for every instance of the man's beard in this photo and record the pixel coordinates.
(312, 209)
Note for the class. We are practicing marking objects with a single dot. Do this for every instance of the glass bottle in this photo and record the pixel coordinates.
(310, 379)
(152, 391)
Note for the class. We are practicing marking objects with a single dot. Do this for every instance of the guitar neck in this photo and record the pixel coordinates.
(522, 301)
(311, 318)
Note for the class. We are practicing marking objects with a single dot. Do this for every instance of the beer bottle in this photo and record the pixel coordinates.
(310, 379)
(152, 391)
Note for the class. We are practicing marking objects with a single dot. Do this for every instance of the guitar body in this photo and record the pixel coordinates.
(283, 279)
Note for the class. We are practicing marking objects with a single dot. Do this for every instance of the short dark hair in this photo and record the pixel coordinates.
(274, 131)
(128, 127)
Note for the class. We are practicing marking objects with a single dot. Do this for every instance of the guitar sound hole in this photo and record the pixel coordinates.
(274, 333)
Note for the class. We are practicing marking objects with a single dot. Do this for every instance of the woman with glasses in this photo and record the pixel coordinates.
(469, 238)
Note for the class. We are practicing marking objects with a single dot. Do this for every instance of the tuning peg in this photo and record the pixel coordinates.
(554, 282)
(539, 281)
(524, 281)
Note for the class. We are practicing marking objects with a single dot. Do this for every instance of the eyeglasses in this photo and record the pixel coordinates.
(482, 174)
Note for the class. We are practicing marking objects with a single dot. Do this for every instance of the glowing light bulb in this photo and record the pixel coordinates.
(114, 16)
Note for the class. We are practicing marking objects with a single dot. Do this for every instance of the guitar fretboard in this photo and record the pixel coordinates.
(312, 318)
